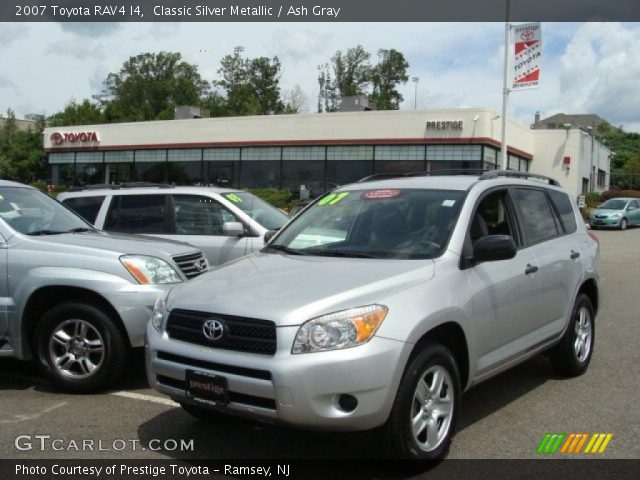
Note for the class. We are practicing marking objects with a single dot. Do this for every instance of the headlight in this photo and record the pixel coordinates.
(616, 215)
(150, 270)
(159, 311)
(344, 329)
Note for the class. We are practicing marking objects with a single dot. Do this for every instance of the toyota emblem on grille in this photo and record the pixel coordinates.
(200, 265)
(213, 329)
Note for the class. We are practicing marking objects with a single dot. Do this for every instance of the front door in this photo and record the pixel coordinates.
(4, 290)
(633, 212)
(504, 292)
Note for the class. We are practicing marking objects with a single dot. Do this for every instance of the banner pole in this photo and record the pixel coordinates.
(505, 89)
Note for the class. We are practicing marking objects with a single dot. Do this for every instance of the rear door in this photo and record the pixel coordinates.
(549, 228)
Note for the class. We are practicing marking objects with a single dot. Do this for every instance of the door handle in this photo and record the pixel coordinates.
(574, 255)
(530, 269)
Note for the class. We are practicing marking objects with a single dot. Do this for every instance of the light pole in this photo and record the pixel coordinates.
(505, 87)
(415, 80)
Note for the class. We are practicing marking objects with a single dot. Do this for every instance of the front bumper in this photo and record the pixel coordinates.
(300, 390)
(605, 222)
(134, 304)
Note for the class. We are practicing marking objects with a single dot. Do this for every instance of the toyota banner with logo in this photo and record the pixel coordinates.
(526, 61)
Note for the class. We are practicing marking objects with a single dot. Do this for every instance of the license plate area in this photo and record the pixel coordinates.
(206, 387)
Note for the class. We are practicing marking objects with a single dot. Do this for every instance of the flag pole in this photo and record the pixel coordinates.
(505, 89)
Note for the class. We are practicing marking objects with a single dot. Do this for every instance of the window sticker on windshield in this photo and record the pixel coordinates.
(379, 194)
(333, 198)
(233, 197)
(448, 203)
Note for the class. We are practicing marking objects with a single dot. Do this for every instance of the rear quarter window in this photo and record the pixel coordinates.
(86, 207)
(563, 205)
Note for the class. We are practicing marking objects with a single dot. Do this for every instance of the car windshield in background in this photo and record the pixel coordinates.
(377, 223)
(613, 204)
(31, 212)
(265, 214)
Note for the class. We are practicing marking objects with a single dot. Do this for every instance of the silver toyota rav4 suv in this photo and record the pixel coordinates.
(379, 304)
(73, 297)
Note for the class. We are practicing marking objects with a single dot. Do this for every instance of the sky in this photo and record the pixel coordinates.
(587, 68)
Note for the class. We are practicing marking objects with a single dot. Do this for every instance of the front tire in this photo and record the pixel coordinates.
(80, 349)
(423, 418)
(572, 355)
(624, 224)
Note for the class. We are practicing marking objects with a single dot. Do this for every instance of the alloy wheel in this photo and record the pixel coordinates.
(76, 348)
(584, 334)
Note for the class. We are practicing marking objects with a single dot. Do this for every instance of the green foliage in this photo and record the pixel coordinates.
(251, 86)
(620, 193)
(593, 199)
(74, 113)
(625, 164)
(53, 191)
(278, 198)
(22, 158)
(149, 86)
(351, 73)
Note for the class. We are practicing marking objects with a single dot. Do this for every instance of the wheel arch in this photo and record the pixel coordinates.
(450, 335)
(590, 288)
(47, 297)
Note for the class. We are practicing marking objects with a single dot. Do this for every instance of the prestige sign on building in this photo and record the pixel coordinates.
(527, 55)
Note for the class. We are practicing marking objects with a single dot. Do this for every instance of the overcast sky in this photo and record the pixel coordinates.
(590, 67)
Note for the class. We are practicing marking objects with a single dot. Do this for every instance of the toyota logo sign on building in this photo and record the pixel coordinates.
(58, 138)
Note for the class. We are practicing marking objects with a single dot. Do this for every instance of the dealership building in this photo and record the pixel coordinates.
(319, 151)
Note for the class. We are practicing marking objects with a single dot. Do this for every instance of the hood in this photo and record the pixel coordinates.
(118, 243)
(604, 211)
(292, 289)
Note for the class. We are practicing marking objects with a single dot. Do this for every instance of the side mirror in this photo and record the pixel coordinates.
(233, 229)
(269, 235)
(494, 247)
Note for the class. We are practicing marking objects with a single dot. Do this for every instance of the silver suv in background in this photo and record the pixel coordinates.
(224, 223)
(75, 298)
(379, 304)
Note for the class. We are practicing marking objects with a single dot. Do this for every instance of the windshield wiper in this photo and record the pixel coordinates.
(80, 230)
(340, 253)
(283, 249)
(45, 232)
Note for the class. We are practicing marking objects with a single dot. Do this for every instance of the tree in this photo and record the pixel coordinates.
(390, 71)
(149, 86)
(295, 100)
(84, 113)
(21, 155)
(251, 85)
(347, 74)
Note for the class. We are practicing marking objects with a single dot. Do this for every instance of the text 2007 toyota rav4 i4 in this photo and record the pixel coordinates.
(73, 297)
(380, 303)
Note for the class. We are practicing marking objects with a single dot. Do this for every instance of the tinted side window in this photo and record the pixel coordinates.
(537, 215)
(565, 209)
(197, 215)
(138, 214)
(86, 207)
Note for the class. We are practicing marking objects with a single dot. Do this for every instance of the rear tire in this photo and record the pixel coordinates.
(572, 355)
(80, 349)
(423, 418)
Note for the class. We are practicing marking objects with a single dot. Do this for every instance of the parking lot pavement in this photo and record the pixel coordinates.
(505, 417)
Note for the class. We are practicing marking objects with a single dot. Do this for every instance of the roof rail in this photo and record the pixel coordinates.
(435, 173)
(491, 174)
(104, 186)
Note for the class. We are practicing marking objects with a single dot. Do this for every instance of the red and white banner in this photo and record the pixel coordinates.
(526, 41)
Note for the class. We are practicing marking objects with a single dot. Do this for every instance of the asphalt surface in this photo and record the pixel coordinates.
(505, 417)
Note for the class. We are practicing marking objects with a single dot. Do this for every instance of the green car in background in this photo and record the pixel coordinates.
(616, 213)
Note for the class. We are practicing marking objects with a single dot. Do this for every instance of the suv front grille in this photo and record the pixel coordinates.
(238, 333)
(193, 264)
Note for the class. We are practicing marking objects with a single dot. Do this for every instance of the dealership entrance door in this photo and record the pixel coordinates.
(116, 173)
(220, 174)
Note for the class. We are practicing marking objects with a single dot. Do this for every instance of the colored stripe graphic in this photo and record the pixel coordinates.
(573, 443)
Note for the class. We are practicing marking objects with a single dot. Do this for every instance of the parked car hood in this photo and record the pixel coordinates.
(292, 289)
(118, 243)
(604, 211)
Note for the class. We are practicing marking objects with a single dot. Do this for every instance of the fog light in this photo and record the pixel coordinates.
(347, 402)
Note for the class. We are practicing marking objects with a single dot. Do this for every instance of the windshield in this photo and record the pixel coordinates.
(389, 223)
(613, 204)
(31, 212)
(265, 214)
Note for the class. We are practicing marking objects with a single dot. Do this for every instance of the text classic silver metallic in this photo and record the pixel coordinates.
(380, 303)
